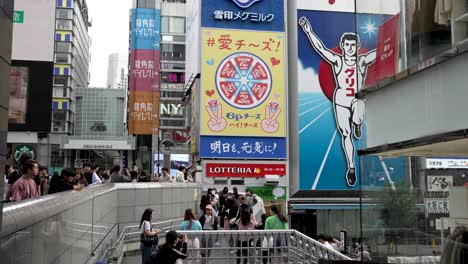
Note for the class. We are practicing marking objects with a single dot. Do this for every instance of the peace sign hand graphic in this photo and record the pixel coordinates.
(217, 122)
(269, 124)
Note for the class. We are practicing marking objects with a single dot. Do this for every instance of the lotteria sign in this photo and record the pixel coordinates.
(250, 170)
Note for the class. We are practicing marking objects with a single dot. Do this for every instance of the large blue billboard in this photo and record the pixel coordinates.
(145, 29)
(259, 15)
(334, 63)
(242, 147)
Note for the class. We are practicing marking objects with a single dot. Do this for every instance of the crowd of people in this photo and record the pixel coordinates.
(30, 180)
(224, 210)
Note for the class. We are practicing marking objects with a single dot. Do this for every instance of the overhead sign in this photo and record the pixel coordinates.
(269, 192)
(332, 39)
(243, 84)
(242, 147)
(436, 203)
(247, 170)
(144, 70)
(145, 29)
(22, 149)
(446, 163)
(143, 118)
(439, 183)
(387, 48)
(171, 109)
(98, 144)
(261, 15)
(18, 17)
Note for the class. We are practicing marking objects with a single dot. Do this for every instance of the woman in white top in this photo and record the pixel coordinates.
(145, 226)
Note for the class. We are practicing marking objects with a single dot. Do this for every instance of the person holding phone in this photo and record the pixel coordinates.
(173, 251)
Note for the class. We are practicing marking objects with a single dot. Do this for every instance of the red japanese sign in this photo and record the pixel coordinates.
(250, 170)
(144, 70)
(387, 48)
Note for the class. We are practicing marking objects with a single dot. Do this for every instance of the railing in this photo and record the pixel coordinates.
(251, 246)
(132, 234)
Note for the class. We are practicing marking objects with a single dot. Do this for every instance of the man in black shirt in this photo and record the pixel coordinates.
(65, 182)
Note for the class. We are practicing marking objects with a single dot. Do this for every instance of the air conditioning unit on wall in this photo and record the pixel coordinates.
(272, 180)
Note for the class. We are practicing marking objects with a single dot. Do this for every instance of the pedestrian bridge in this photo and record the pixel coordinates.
(101, 224)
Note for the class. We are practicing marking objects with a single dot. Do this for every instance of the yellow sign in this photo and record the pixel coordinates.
(243, 84)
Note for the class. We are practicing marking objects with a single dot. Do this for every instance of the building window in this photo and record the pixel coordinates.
(61, 80)
(171, 38)
(172, 66)
(64, 14)
(64, 25)
(63, 47)
(172, 24)
(173, 52)
(146, 4)
(62, 58)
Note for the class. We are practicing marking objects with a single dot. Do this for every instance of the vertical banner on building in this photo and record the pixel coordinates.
(143, 118)
(337, 50)
(143, 108)
(243, 101)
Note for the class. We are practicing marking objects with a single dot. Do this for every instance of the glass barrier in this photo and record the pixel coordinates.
(411, 215)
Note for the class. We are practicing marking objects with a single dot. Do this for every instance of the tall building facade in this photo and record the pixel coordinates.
(117, 71)
(157, 76)
(31, 80)
(71, 72)
(100, 134)
(6, 16)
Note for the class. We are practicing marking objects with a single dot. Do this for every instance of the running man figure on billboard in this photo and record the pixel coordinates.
(349, 70)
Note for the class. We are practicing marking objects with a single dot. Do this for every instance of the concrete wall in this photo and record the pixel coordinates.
(69, 227)
(6, 31)
(428, 103)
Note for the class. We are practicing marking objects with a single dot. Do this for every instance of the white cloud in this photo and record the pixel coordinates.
(307, 79)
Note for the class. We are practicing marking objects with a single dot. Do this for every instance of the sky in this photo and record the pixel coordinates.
(109, 34)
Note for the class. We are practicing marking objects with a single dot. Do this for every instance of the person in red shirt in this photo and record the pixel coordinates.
(25, 187)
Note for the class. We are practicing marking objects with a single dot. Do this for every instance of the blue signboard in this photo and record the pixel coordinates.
(145, 29)
(259, 15)
(332, 122)
(242, 147)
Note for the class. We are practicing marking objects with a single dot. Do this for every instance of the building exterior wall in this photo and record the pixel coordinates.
(99, 112)
(6, 31)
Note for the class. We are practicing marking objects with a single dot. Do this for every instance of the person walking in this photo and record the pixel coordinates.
(25, 187)
(277, 222)
(208, 221)
(244, 243)
(191, 223)
(147, 232)
(173, 251)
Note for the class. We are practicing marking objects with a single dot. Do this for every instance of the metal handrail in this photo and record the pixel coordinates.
(289, 244)
(121, 240)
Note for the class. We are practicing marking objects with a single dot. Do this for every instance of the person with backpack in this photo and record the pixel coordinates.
(191, 223)
(148, 236)
(174, 250)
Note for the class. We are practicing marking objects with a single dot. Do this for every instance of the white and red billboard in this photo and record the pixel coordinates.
(244, 170)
